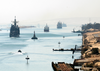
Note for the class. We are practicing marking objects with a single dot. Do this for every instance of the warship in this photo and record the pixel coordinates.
(14, 30)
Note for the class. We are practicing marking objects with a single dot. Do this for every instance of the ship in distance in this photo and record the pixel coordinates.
(59, 25)
(46, 28)
(64, 25)
(14, 30)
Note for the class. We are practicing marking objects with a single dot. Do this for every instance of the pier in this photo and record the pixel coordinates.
(61, 66)
(77, 48)
(66, 49)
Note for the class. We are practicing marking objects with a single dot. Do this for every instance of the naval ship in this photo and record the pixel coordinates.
(14, 30)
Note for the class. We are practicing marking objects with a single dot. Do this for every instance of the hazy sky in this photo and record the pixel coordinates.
(29, 11)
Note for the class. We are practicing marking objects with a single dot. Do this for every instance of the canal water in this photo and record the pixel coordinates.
(39, 51)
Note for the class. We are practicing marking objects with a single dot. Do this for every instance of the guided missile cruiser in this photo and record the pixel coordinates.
(14, 30)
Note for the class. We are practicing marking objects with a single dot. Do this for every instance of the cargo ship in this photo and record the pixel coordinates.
(59, 25)
(46, 28)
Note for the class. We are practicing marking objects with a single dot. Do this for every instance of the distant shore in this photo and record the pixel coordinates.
(26, 26)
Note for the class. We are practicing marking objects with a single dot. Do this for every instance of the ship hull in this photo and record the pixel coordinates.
(46, 30)
(14, 31)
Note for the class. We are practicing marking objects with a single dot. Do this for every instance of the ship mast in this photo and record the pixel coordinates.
(15, 21)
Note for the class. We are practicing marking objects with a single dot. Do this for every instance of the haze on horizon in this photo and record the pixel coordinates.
(30, 12)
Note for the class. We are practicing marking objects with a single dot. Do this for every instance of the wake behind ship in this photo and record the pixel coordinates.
(14, 30)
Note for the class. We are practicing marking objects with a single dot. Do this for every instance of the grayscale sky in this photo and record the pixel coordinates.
(29, 11)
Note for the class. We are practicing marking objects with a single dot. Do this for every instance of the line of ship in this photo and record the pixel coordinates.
(59, 26)
(15, 29)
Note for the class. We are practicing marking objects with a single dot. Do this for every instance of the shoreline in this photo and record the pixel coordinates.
(90, 54)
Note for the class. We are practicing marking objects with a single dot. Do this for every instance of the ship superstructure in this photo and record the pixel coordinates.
(14, 30)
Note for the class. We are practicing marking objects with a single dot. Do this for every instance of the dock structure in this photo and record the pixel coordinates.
(66, 49)
(77, 48)
(72, 49)
(61, 66)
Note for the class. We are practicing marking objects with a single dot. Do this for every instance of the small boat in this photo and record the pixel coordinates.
(20, 51)
(34, 37)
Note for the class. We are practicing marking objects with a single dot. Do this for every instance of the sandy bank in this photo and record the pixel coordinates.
(90, 51)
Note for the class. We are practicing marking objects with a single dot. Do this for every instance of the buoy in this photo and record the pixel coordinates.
(27, 58)
(63, 36)
(59, 43)
(72, 56)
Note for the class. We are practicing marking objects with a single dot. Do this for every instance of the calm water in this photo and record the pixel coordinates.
(39, 51)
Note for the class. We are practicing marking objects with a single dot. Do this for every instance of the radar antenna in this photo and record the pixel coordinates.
(15, 21)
